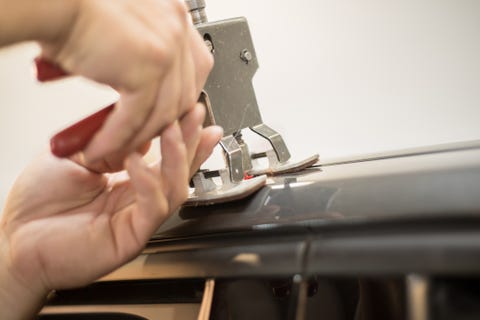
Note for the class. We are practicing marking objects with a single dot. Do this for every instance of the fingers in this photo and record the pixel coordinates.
(202, 59)
(160, 191)
(156, 196)
(166, 109)
(140, 116)
(174, 169)
(209, 138)
(151, 55)
(110, 164)
(190, 91)
(199, 142)
(191, 126)
(125, 122)
(151, 203)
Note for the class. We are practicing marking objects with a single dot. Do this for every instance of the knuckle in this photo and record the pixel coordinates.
(177, 30)
(170, 114)
(180, 8)
(158, 51)
(190, 99)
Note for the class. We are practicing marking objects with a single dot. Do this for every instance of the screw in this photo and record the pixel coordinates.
(209, 45)
(246, 56)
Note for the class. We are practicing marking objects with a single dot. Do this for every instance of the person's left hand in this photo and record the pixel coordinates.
(66, 226)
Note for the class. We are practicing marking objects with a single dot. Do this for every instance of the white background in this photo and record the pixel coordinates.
(340, 78)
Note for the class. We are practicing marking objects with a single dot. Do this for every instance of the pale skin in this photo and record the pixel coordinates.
(66, 221)
(147, 50)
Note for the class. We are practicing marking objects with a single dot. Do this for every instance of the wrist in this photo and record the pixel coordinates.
(18, 299)
(36, 20)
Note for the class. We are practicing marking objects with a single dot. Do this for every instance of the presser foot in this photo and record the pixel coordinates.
(209, 191)
(277, 168)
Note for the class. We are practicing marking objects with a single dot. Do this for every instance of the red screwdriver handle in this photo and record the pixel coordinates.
(76, 137)
(48, 71)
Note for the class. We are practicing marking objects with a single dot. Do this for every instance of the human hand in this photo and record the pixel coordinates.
(65, 226)
(148, 51)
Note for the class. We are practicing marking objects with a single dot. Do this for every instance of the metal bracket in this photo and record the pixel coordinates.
(229, 97)
(275, 139)
(276, 168)
(229, 94)
(233, 153)
(208, 192)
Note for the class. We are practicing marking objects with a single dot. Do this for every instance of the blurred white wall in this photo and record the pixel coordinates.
(339, 78)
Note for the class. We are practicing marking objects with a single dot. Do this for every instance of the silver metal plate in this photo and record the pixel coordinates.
(289, 167)
(229, 86)
(226, 193)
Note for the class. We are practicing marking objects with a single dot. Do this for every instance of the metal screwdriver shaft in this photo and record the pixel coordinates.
(197, 10)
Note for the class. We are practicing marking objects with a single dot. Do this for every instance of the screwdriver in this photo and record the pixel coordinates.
(76, 137)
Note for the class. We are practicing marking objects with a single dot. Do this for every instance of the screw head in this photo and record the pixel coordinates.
(246, 56)
(209, 45)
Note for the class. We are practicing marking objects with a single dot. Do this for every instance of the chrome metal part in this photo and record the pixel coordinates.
(276, 168)
(209, 45)
(247, 161)
(230, 97)
(234, 157)
(275, 140)
(233, 104)
(417, 287)
(226, 191)
(246, 56)
(202, 184)
(197, 10)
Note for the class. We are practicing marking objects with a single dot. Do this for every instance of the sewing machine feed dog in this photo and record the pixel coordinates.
(231, 103)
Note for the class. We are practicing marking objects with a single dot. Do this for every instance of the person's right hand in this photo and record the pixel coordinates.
(149, 51)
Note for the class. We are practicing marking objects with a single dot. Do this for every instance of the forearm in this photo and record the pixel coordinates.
(18, 300)
(38, 20)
